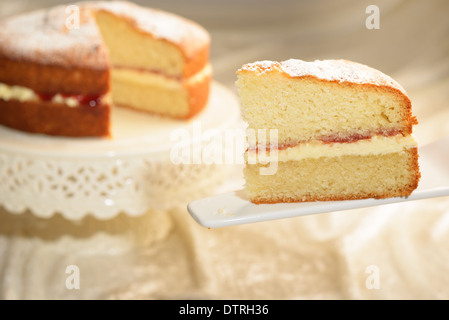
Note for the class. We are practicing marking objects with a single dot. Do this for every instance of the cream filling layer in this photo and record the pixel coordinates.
(156, 79)
(24, 94)
(316, 149)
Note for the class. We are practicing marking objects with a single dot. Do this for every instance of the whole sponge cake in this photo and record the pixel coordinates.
(61, 78)
(343, 132)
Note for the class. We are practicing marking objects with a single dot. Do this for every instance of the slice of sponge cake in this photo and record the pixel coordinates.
(343, 129)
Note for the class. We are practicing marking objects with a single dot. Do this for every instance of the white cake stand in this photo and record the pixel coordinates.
(132, 172)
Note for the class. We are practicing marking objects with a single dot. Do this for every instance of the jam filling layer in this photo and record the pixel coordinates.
(375, 145)
(73, 100)
(335, 138)
(23, 94)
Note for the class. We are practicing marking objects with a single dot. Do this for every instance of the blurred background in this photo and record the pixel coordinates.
(166, 255)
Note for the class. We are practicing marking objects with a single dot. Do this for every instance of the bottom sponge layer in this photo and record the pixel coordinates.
(335, 178)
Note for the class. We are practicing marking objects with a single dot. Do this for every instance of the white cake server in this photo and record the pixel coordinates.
(234, 208)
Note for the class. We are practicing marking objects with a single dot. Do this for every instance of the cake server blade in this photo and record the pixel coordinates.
(234, 208)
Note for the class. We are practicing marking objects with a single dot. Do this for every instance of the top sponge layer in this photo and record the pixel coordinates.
(329, 100)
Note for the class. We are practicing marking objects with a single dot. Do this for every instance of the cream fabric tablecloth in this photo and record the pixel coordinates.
(166, 255)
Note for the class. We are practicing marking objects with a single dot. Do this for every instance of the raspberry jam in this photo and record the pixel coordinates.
(85, 100)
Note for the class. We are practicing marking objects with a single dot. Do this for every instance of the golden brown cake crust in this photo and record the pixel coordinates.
(198, 96)
(54, 79)
(56, 119)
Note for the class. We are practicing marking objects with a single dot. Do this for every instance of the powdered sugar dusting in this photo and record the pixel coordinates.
(42, 36)
(329, 70)
(261, 66)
